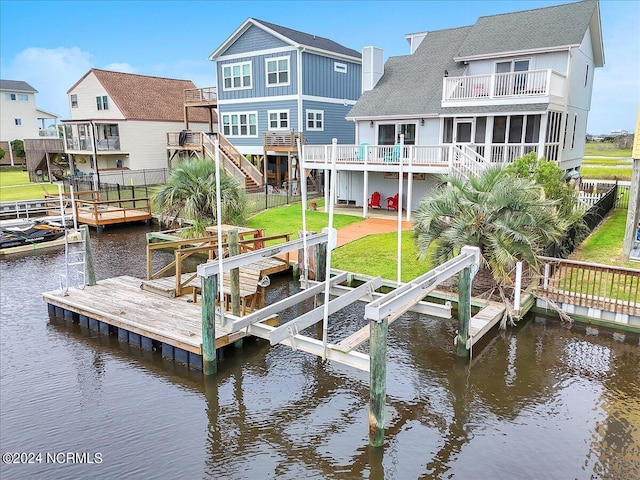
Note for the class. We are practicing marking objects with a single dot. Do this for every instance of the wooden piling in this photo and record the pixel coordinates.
(464, 311)
(234, 278)
(88, 257)
(378, 380)
(209, 290)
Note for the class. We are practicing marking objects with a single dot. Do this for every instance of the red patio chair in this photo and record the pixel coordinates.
(374, 202)
(392, 203)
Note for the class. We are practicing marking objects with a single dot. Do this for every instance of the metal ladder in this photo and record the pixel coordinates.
(75, 262)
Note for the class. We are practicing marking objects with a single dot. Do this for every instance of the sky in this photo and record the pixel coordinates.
(52, 44)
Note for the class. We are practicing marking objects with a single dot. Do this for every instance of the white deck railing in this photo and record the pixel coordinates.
(532, 83)
(391, 155)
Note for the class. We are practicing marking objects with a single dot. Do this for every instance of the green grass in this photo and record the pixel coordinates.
(602, 149)
(593, 172)
(605, 161)
(288, 219)
(15, 186)
(604, 245)
(376, 255)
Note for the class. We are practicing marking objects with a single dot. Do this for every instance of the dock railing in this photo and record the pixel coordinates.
(590, 285)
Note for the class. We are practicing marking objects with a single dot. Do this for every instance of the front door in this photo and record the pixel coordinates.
(463, 131)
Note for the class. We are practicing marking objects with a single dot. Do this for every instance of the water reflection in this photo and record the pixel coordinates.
(538, 401)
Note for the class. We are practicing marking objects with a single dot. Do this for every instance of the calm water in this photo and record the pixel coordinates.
(541, 401)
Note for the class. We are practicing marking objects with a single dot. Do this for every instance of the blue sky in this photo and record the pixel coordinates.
(51, 44)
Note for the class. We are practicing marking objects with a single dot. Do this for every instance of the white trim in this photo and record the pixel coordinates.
(269, 51)
(230, 135)
(342, 101)
(266, 71)
(278, 120)
(315, 120)
(275, 98)
(299, 114)
(515, 53)
(240, 64)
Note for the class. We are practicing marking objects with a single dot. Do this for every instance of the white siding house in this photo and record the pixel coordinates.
(120, 121)
(470, 96)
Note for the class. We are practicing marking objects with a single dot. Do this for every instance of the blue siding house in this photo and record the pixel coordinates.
(276, 85)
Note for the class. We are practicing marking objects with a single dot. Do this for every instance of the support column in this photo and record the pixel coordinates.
(88, 256)
(234, 278)
(209, 289)
(464, 311)
(633, 213)
(377, 380)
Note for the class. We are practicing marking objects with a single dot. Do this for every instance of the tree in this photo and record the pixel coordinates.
(507, 217)
(191, 191)
(18, 148)
(2, 153)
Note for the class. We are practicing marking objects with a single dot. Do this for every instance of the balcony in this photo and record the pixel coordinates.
(200, 97)
(49, 133)
(531, 86)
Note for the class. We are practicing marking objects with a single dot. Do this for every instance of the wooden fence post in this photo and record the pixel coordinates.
(377, 380)
(234, 278)
(464, 311)
(209, 290)
(88, 257)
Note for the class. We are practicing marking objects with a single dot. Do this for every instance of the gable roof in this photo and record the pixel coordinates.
(141, 97)
(541, 29)
(294, 38)
(411, 86)
(17, 86)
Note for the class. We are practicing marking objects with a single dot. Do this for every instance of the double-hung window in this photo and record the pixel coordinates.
(278, 119)
(315, 120)
(277, 71)
(102, 103)
(241, 124)
(236, 76)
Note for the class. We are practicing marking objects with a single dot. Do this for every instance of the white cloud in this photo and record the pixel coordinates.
(50, 71)
(120, 67)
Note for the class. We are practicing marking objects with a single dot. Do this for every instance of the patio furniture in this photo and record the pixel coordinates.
(392, 203)
(393, 155)
(362, 151)
(374, 202)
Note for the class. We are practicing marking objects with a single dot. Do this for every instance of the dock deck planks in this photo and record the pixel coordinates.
(122, 303)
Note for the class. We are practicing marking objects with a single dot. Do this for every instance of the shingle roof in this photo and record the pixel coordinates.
(309, 40)
(17, 86)
(141, 97)
(412, 84)
(540, 28)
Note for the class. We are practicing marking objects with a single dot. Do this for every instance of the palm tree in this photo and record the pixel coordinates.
(507, 217)
(191, 191)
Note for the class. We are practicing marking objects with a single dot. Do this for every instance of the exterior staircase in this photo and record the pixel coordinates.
(234, 163)
(466, 162)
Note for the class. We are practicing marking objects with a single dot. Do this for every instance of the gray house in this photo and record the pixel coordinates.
(465, 97)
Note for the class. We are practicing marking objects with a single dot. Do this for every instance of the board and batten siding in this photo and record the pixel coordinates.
(262, 109)
(254, 39)
(258, 77)
(320, 79)
(87, 91)
(556, 61)
(335, 125)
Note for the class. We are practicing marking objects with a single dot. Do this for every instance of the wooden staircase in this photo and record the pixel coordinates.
(235, 163)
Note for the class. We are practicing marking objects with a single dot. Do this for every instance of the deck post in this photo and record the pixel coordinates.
(464, 311)
(209, 290)
(320, 262)
(88, 255)
(234, 278)
(377, 380)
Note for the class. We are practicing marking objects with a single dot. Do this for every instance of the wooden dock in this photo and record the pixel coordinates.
(118, 306)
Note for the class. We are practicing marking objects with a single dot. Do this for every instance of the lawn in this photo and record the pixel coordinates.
(602, 172)
(604, 245)
(605, 149)
(606, 161)
(376, 255)
(15, 186)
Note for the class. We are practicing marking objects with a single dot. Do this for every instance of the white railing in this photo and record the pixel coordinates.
(508, 152)
(48, 133)
(467, 161)
(392, 155)
(531, 83)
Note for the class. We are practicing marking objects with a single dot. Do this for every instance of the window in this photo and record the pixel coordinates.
(74, 101)
(277, 71)
(102, 103)
(315, 120)
(20, 97)
(18, 122)
(278, 119)
(339, 67)
(236, 76)
(586, 75)
(573, 135)
(390, 134)
(243, 124)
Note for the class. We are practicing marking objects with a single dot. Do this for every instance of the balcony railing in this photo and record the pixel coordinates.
(49, 133)
(200, 95)
(533, 83)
